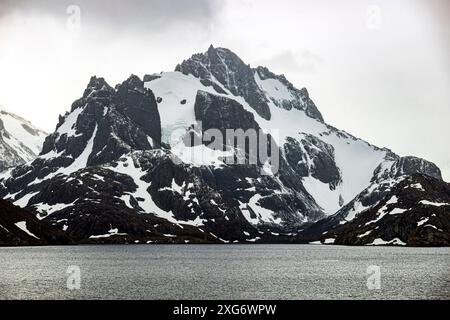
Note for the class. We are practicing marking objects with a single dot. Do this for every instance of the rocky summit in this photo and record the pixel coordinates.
(150, 161)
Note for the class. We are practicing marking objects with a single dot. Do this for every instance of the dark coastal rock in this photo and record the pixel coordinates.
(19, 227)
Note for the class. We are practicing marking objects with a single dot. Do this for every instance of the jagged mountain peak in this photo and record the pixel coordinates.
(97, 86)
(103, 124)
(219, 65)
(97, 83)
(260, 88)
(213, 53)
(132, 83)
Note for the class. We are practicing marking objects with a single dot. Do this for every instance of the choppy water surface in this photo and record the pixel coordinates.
(224, 272)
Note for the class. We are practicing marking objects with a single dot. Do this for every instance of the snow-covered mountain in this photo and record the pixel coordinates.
(20, 141)
(411, 210)
(334, 165)
(125, 165)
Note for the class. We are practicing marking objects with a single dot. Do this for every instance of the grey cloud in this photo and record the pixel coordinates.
(120, 14)
(302, 61)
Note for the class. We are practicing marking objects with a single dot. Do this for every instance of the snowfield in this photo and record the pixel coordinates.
(20, 141)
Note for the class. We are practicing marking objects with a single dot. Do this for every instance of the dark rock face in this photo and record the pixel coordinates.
(150, 77)
(122, 120)
(19, 227)
(415, 211)
(227, 68)
(412, 165)
(222, 113)
(312, 156)
(216, 87)
(406, 166)
(2, 127)
(139, 105)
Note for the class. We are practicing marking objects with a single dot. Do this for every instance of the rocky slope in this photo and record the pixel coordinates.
(414, 210)
(20, 141)
(19, 227)
(127, 164)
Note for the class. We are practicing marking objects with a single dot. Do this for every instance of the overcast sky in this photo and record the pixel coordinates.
(377, 69)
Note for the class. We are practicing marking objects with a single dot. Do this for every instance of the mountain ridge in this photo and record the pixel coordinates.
(20, 140)
(121, 155)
